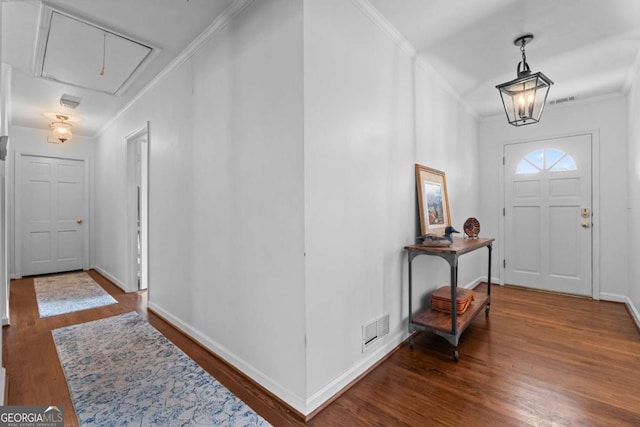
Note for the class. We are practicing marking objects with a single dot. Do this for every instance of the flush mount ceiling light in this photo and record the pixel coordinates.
(61, 130)
(524, 97)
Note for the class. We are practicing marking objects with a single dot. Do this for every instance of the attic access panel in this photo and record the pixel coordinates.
(73, 52)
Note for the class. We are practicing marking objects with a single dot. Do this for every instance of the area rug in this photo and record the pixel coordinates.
(66, 293)
(122, 372)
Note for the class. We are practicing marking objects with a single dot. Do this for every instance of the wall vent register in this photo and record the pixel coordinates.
(373, 331)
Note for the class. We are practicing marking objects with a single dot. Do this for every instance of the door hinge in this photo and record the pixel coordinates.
(504, 263)
(504, 211)
(503, 161)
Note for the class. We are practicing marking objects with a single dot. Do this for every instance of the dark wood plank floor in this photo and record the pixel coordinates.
(539, 359)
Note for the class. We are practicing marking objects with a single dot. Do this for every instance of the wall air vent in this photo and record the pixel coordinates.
(562, 100)
(70, 101)
(373, 331)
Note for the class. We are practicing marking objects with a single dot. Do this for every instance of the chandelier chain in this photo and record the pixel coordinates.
(104, 52)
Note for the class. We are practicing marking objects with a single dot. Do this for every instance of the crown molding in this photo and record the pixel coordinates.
(630, 78)
(239, 5)
(428, 68)
(216, 26)
(377, 18)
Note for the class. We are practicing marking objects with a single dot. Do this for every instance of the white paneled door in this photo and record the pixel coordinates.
(52, 203)
(548, 227)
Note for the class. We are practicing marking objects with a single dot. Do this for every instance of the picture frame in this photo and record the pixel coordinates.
(433, 200)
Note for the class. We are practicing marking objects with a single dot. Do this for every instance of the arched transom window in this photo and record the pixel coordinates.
(550, 159)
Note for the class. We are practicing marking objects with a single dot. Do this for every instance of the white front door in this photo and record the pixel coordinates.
(548, 238)
(52, 205)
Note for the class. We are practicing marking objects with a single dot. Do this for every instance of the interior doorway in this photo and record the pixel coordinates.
(138, 209)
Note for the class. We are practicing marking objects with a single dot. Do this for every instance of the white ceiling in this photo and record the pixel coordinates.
(169, 25)
(587, 47)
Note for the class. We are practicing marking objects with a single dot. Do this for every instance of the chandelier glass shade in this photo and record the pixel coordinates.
(61, 130)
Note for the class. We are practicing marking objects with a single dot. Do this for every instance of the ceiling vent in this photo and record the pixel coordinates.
(77, 52)
(70, 101)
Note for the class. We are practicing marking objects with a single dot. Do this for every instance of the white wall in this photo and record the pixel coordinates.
(370, 115)
(608, 118)
(447, 139)
(226, 223)
(110, 216)
(633, 191)
(24, 140)
(282, 191)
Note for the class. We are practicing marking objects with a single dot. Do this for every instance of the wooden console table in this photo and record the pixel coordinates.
(449, 326)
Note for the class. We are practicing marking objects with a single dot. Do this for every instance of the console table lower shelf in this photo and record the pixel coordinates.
(439, 322)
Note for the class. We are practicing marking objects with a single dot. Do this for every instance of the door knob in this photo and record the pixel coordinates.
(585, 224)
(79, 221)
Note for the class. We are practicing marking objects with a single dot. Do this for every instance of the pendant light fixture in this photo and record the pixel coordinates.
(524, 97)
(61, 130)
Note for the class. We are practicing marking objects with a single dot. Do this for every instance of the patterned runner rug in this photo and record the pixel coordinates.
(65, 293)
(122, 372)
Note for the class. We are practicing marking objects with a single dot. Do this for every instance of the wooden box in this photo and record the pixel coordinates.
(441, 299)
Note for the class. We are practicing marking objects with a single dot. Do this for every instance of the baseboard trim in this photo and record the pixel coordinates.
(474, 283)
(604, 296)
(304, 410)
(481, 279)
(344, 382)
(326, 395)
(111, 278)
(633, 310)
(4, 386)
(293, 402)
(5, 321)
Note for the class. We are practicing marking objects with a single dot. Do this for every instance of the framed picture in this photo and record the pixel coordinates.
(433, 200)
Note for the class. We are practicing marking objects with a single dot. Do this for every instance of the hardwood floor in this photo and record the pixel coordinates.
(35, 375)
(539, 359)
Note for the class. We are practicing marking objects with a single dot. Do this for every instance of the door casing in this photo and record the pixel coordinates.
(595, 207)
(132, 205)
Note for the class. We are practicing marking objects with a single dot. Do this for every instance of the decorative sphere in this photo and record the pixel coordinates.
(472, 227)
